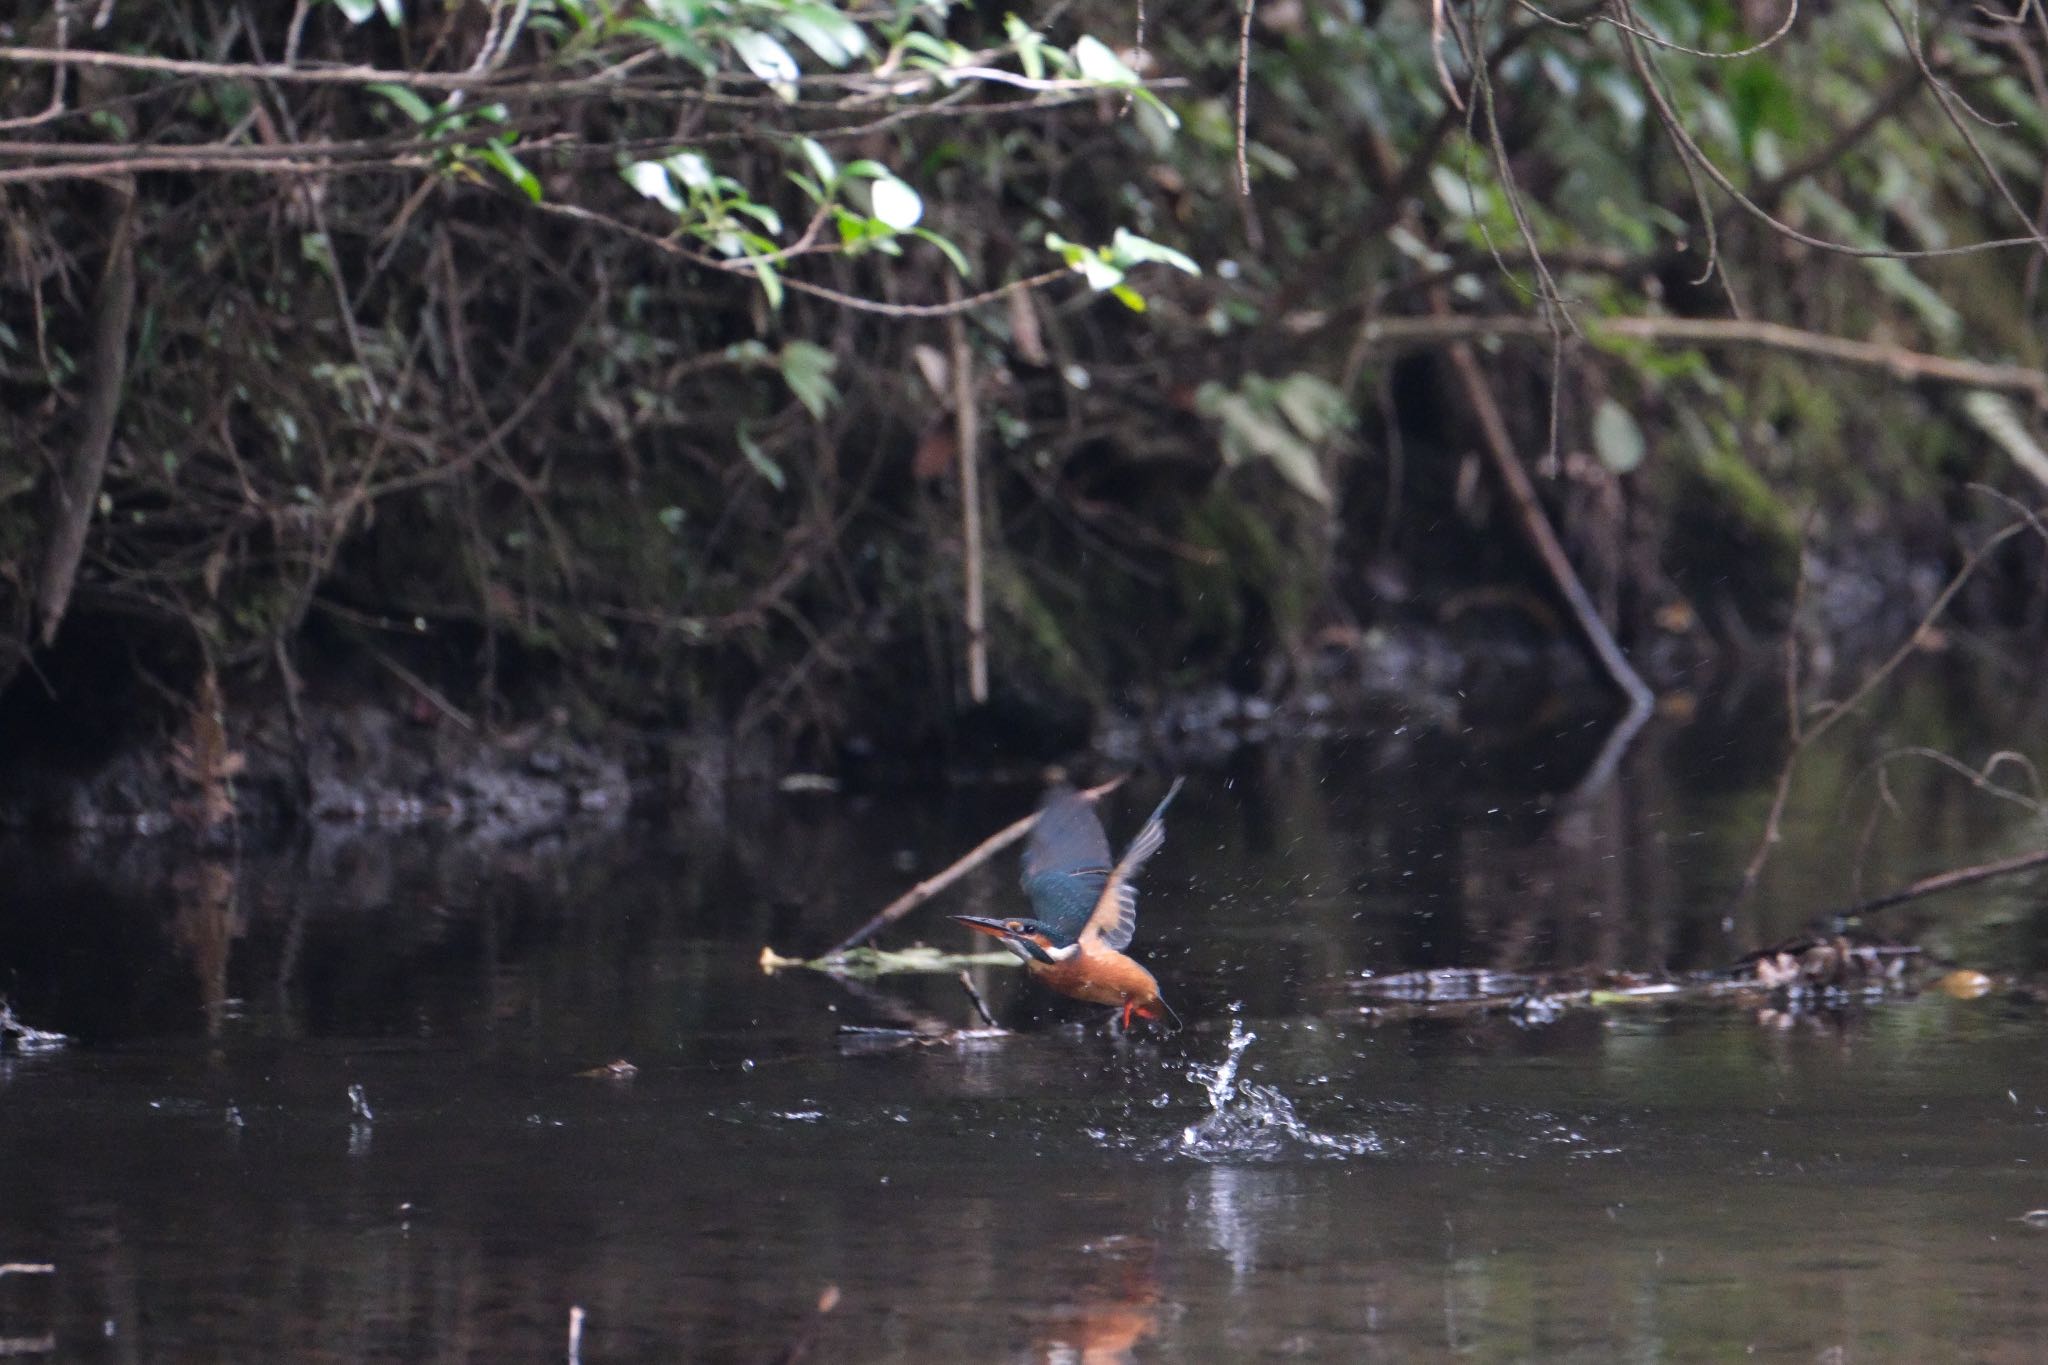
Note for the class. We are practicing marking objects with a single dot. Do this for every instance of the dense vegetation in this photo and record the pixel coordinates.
(778, 367)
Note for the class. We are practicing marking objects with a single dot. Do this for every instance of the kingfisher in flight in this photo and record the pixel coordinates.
(1084, 910)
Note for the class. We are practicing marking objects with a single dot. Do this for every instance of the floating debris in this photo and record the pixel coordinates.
(16, 1036)
(1528, 998)
(871, 962)
(1836, 961)
(1451, 983)
(1813, 969)
(617, 1070)
(1964, 984)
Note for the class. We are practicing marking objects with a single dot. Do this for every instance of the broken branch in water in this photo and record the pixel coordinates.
(872, 962)
(975, 857)
(980, 1005)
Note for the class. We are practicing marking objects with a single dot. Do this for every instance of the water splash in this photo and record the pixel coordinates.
(362, 1122)
(359, 1106)
(1252, 1122)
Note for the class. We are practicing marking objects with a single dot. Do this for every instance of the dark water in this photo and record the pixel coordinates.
(1677, 1182)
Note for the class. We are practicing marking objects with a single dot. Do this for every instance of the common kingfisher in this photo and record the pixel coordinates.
(1084, 911)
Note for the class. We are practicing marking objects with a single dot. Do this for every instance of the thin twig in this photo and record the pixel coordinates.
(1690, 150)
(960, 867)
(1396, 333)
(980, 1005)
(967, 430)
(1244, 96)
(1946, 881)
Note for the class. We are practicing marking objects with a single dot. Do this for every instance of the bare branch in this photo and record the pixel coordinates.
(1896, 361)
(78, 487)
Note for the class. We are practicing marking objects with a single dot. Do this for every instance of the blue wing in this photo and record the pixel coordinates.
(1114, 919)
(1066, 864)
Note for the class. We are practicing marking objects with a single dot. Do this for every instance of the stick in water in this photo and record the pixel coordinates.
(980, 1006)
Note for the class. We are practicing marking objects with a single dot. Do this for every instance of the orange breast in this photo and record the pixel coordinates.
(1100, 976)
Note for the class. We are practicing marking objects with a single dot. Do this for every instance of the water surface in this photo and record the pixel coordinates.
(327, 1101)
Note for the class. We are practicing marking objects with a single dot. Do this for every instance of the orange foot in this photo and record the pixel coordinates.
(1129, 1005)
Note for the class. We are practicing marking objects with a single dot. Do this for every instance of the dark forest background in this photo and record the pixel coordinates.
(847, 381)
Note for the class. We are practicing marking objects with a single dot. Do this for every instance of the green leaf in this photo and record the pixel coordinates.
(945, 245)
(758, 458)
(415, 108)
(1617, 439)
(357, 11)
(1997, 417)
(394, 11)
(896, 203)
(1759, 100)
(1030, 46)
(1129, 247)
(674, 42)
(651, 179)
(1456, 193)
(690, 169)
(1098, 63)
(1312, 405)
(1251, 431)
(821, 160)
(937, 51)
(1128, 297)
(765, 57)
(1099, 273)
(771, 287)
(762, 214)
(826, 32)
(509, 166)
(807, 369)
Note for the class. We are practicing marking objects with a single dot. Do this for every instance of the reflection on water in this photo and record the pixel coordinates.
(1114, 1306)
(352, 1100)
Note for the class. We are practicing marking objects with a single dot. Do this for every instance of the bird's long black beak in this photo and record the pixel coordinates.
(992, 927)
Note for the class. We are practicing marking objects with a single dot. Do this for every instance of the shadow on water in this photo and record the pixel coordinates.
(349, 1100)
